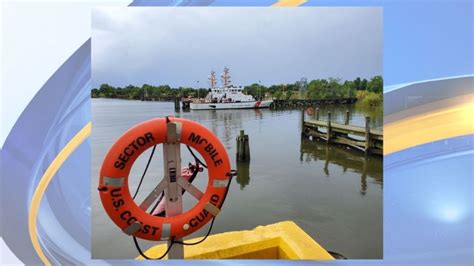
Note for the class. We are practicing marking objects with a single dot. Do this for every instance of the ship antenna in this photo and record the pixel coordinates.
(213, 80)
(226, 78)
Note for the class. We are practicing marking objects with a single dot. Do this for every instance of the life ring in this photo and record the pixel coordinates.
(310, 111)
(114, 174)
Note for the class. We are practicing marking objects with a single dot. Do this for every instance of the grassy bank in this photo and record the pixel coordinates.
(369, 98)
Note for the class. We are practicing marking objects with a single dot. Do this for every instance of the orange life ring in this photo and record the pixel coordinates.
(113, 182)
(310, 111)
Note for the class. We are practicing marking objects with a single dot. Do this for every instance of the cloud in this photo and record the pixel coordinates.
(178, 46)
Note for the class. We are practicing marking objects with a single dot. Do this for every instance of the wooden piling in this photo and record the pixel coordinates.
(243, 150)
(367, 134)
(302, 121)
(186, 105)
(317, 114)
(346, 120)
(328, 134)
(176, 104)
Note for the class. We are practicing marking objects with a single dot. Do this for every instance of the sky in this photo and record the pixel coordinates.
(180, 46)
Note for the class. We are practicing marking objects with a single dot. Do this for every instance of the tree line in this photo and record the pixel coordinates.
(368, 91)
(131, 92)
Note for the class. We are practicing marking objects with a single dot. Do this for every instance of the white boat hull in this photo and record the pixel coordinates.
(220, 106)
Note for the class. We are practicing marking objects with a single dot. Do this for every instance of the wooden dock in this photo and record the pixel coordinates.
(365, 138)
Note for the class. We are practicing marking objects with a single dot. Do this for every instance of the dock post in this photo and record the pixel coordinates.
(176, 104)
(367, 134)
(302, 122)
(328, 134)
(346, 121)
(243, 150)
(186, 105)
(317, 113)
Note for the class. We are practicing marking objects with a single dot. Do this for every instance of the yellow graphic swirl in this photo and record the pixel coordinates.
(44, 182)
(289, 3)
(451, 118)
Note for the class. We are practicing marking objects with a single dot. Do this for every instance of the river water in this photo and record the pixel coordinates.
(334, 194)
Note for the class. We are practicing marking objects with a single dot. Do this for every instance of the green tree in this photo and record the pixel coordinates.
(375, 84)
(107, 90)
(256, 90)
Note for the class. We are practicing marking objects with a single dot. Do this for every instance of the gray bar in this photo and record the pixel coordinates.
(220, 183)
(132, 229)
(193, 190)
(113, 181)
(179, 126)
(153, 195)
(212, 209)
(165, 231)
(173, 132)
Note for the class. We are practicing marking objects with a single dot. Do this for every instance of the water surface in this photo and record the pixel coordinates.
(333, 193)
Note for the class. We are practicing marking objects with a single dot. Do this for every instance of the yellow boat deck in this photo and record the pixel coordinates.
(283, 240)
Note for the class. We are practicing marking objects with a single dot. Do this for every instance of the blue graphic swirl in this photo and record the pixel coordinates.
(172, 2)
(55, 114)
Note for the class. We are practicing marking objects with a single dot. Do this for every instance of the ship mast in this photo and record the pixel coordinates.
(213, 80)
(226, 78)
